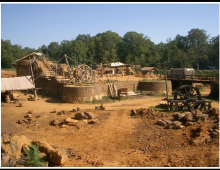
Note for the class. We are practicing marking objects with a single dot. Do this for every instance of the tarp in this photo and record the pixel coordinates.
(17, 83)
(116, 64)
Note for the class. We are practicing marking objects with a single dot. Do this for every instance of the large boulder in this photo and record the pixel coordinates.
(177, 124)
(58, 157)
(179, 116)
(69, 120)
(43, 146)
(161, 122)
(90, 115)
(188, 123)
(16, 145)
(80, 116)
(202, 117)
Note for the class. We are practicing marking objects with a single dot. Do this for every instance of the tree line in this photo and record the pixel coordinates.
(196, 50)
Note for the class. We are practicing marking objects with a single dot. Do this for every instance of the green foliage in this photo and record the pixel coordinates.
(194, 50)
(207, 73)
(33, 159)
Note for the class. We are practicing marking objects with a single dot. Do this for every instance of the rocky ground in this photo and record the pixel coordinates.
(84, 135)
(127, 133)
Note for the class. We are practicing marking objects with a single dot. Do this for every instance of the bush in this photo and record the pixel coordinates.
(33, 158)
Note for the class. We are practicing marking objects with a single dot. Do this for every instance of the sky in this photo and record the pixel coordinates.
(32, 25)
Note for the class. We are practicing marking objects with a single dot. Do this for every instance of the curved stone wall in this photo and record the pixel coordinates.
(156, 86)
(81, 93)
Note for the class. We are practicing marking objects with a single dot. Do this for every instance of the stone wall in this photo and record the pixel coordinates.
(50, 85)
(81, 93)
(94, 92)
(156, 86)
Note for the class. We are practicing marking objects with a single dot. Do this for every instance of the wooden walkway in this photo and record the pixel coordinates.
(193, 78)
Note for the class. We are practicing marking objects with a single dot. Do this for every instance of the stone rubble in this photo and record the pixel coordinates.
(28, 120)
(13, 146)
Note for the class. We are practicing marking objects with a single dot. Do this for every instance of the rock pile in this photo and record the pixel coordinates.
(181, 120)
(28, 120)
(87, 117)
(84, 115)
(13, 146)
(148, 113)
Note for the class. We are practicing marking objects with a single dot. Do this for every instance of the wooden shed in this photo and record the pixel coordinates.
(149, 70)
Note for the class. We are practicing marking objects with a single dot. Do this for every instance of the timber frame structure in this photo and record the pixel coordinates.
(37, 65)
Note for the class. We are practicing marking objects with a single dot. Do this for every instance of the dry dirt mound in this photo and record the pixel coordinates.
(7, 74)
(162, 147)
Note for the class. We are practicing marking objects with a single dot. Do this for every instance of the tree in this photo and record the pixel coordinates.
(6, 54)
(43, 49)
(214, 52)
(54, 50)
(182, 42)
(198, 40)
(133, 48)
(17, 51)
(110, 42)
(79, 51)
(90, 43)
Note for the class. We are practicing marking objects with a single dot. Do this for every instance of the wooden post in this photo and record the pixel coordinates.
(165, 69)
(35, 92)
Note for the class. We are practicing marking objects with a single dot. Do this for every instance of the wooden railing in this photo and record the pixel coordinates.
(193, 77)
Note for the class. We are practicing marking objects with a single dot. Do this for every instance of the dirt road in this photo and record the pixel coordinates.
(116, 140)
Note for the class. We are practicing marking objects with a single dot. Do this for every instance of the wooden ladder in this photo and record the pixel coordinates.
(113, 90)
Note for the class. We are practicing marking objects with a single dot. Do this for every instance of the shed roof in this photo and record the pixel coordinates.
(17, 83)
(148, 68)
(29, 55)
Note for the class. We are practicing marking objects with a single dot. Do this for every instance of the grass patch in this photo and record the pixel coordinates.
(9, 69)
(157, 108)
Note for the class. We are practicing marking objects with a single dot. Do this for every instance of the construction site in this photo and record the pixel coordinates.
(110, 116)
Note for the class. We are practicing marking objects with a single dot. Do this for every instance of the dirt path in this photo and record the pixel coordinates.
(116, 140)
(106, 143)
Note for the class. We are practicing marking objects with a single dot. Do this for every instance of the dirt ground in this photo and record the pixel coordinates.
(7, 74)
(117, 139)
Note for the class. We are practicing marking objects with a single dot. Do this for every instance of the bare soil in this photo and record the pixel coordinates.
(117, 139)
(7, 74)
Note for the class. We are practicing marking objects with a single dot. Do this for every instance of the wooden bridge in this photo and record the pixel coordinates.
(178, 80)
(194, 78)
